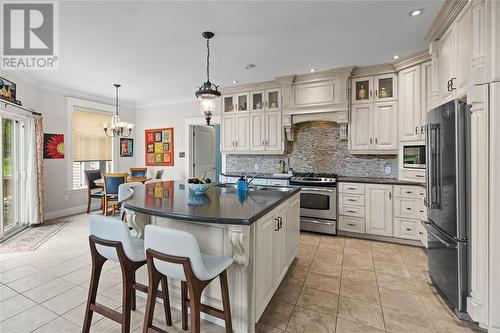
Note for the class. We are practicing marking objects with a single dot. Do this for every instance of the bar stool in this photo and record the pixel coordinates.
(110, 239)
(176, 254)
(125, 192)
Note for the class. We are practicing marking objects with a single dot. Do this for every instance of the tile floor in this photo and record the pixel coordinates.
(335, 285)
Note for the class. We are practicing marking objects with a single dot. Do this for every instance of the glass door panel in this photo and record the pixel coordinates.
(8, 175)
(243, 102)
(257, 101)
(362, 90)
(228, 103)
(385, 88)
(273, 99)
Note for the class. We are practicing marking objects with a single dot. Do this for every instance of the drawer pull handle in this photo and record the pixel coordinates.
(351, 224)
(419, 176)
(351, 200)
(408, 208)
(421, 211)
(408, 229)
(409, 192)
(420, 232)
(352, 211)
(352, 188)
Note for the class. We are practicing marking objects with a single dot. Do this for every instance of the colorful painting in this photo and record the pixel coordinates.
(53, 146)
(7, 90)
(126, 147)
(160, 147)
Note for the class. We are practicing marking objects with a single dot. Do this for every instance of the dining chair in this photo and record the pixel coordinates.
(159, 174)
(112, 182)
(91, 176)
(110, 239)
(176, 254)
(138, 172)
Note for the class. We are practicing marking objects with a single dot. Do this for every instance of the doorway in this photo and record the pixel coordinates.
(206, 154)
(13, 175)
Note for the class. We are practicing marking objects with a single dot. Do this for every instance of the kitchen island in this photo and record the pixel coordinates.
(258, 229)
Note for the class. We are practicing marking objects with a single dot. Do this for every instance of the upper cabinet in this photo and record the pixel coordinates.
(236, 102)
(411, 115)
(374, 89)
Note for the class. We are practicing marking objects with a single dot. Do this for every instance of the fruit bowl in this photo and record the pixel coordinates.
(199, 188)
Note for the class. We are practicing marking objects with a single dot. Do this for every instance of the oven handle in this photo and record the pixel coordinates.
(324, 222)
(315, 189)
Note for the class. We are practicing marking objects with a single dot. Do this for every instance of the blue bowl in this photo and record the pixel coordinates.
(199, 188)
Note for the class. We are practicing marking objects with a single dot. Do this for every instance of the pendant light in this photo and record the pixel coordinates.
(117, 127)
(208, 92)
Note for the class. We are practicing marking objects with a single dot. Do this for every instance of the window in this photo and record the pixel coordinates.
(92, 149)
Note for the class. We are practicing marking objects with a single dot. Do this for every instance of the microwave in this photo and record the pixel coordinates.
(414, 157)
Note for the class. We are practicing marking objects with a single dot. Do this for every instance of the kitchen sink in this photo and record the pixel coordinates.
(259, 187)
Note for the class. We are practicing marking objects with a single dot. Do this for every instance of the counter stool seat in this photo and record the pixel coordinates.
(176, 254)
(110, 239)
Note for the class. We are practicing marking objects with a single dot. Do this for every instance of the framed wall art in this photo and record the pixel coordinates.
(53, 146)
(126, 147)
(159, 147)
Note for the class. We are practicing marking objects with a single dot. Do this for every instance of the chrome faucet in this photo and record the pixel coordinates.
(251, 179)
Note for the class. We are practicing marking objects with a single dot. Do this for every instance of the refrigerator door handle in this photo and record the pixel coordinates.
(445, 243)
(428, 167)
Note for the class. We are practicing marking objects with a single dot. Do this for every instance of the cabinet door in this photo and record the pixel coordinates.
(379, 210)
(410, 113)
(265, 261)
(361, 129)
(228, 103)
(242, 132)
(293, 229)
(464, 50)
(257, 101)
(385, 88)
(273, 99)
(257, 131)
(426, 90)
(446, 61)
(362, 90)
(228, 125)
(242, 101)
(274, 131)
(279, 246)
(385, 122)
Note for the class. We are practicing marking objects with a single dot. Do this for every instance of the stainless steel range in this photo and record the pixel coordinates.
(318, 201)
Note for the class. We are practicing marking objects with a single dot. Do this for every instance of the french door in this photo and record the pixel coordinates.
(13, 173)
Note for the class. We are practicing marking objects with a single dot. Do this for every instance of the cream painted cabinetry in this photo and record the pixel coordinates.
(235, 132)
(352, 207)
(408, 212)
(379, 210)
(410, 104)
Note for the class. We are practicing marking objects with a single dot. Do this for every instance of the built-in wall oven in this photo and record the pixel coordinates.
(318, 203)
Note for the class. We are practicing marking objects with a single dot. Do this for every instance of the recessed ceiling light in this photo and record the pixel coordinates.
(416, 12)
(235, 81)
(312, 70)
(250, 66)
(396, 57)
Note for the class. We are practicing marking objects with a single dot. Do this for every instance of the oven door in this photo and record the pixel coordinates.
(318, 203)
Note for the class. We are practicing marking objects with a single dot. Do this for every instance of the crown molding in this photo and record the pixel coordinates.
(449, 11)
(412, 60)
(373, 70)
(250, 87)
(166, 101)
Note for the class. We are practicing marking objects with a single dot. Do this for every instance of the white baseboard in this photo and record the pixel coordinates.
(68, 211)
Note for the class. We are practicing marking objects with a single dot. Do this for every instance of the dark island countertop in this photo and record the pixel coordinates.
(258, 175)
(373, 180)
(173, 199)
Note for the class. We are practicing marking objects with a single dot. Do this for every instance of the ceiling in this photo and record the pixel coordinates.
(156, 51)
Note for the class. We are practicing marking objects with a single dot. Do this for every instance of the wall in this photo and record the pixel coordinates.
(58, 200)
(169, 115)
(317, 148)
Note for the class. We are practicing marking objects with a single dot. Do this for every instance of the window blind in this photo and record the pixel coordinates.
(89, 141)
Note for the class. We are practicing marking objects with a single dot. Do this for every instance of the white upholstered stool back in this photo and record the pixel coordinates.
(125, 192)
(111, 229)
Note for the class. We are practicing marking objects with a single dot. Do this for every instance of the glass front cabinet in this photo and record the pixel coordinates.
(374, 89)
(237, 102)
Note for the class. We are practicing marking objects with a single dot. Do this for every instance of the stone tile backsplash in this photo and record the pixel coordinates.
(317, 148)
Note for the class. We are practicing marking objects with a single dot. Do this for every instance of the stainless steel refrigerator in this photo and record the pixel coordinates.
(446, 201)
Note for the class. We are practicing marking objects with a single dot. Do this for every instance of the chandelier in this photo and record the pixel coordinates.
(208, 92)
(117, 127)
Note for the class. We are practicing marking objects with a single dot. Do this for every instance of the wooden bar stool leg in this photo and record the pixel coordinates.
(127, 299)
(133, 298)
(97, 263)
(89, 199)
(195, 305)
(184, 298)
(225, 301)
(166, 301)
(154, 278)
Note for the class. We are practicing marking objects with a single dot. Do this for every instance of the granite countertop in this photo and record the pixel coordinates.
(260, 175)
(173, 199)
(374, 180)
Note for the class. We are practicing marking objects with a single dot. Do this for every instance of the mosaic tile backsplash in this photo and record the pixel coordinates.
(317, 148)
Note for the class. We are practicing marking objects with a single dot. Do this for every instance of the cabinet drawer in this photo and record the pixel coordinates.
(413, 175)
(355, 211)
(352, 188)
(352, 199)
(278, 182)
(403, 191)
(407, 208)
(406, 228)
(352, 224)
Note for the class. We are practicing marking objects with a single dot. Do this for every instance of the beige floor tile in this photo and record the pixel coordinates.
(277, 314)
(46, 291)
(288, 291)
(364, 252)
(79, 276)
(388, 257)
(333, 240)
(319, 301)
(362, 291)
(395, 282)
(331, 247)
(384, 247)
(296, 275)
(67, 301)
(322, 282)
(77, 315)
(357, 243)
(320, 267)
(398, 321)
(386, 268)
(308, 321)
(14, 306)
(31, 281)
(328, 257)
(359, 275)
(310, 238)
(302, 262)
(59, 325)
(260, 328)
(353, 262)
(403, 301)
(17, 273)
(367, 313)
(66, 268)
(7, 265)
(6, 292)
(348, 326)
(28, 321)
